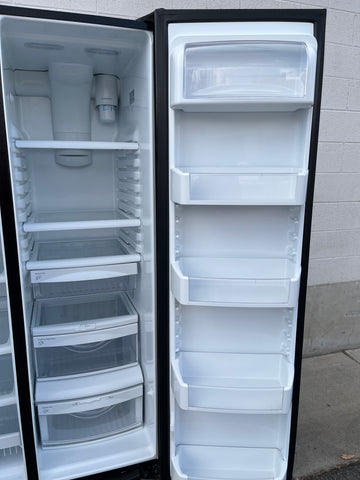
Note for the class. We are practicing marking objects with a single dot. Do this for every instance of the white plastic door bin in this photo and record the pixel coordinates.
(9, 423)
(231, 381)
(226, 73)
(90, 418)
(195, 462)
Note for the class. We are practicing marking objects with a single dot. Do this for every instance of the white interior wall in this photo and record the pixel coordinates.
(335, 251)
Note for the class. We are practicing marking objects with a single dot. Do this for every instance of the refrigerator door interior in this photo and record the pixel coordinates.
(79, 121)
(240, 113)
(12, 461)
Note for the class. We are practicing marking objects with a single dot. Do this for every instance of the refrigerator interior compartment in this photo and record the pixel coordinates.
(85, 275)
(6, 375)
(81, 314)
(240, 139)
(241, 330)
(228, 187)
(252, 383)
(91, 418)
(81, 220)
(78, 354)
(235, 281)
(197, 462)
(74, 145)
(93, 384)
(80, 253)
(9, 423)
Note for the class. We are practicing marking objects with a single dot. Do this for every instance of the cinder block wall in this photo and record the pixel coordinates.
(333, 302)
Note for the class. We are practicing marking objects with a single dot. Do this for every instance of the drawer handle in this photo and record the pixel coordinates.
(87, 347)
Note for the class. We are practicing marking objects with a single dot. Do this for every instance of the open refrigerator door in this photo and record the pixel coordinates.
(240, 112)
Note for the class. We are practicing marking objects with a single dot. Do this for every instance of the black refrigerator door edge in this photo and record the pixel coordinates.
(15, 301)
(72, 17)
(159, 21)
(131, 472)
(319, 32)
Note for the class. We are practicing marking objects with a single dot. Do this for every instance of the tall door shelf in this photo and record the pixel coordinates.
(240, 120)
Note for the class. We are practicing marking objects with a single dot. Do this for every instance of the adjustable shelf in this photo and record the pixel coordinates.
(74, 145)
(80, 253)
(235, 281)
(61, 221)
(237, 186)
(249, 383)
(196, 462)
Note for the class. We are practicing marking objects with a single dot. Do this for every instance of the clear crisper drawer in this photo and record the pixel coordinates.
(235, 281)
(196, 462)
(86, 352)
(245, 68)
(81, 313)
(90, 418)
(6, 375)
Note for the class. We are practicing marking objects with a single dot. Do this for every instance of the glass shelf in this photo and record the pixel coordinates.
(61, 221)
(74, 145)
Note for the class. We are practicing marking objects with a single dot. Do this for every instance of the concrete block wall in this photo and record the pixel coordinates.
(333, 303)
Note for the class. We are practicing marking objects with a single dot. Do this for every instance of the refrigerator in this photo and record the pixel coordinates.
(157, 180)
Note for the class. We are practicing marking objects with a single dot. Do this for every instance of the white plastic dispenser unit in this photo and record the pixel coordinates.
(70, 86)
(106, 97)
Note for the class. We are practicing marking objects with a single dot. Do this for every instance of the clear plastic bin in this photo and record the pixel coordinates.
(8, 420)
(245, 68)
(197, 462)
(90, 418)
(6, 375)
(79, 354)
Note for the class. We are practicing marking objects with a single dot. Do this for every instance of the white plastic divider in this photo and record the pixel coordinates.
(242, 188)
(249, 383)
(195, 462)
(93, 384)
(76, 274)
(61, 221)
(73, 145)
(235, 281)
